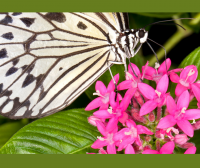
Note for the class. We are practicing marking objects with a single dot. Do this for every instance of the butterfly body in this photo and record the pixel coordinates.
(48, 59)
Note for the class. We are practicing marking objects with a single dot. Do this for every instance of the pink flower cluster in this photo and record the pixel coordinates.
(145, 119)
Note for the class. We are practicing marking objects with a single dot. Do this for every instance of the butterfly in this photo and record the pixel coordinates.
(48, 59)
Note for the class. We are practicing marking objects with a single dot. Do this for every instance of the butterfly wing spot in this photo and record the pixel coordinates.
(6, 20)
(11, 71)
(81, 25)
(28, 80)
(16, 13)
(3, 53)
(28, 21)
(58, 17)
(8, 36)
(60, 68)
(15, 61)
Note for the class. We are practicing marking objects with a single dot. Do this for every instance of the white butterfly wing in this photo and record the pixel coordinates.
(48, 59)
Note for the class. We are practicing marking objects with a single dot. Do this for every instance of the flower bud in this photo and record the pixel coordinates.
(187, 145)
(151, 117)
(181, 139)
(137, 117)
(92, 120)
(147, 138)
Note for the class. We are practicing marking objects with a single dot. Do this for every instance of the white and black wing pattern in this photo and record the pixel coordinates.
(48, 59)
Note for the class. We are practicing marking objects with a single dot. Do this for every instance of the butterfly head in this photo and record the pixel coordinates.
(142, 35)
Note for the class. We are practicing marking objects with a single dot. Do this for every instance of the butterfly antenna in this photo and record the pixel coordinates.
(168, 21)
(164, 50)
(153, 52)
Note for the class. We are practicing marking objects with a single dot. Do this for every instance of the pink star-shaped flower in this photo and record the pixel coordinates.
(104, 95)
(108, 132)
(156, 74)
(131, 82)
(167, 148)
(179, 115)
(117, 110)
(187, 77)
(157, 97)
(127, 136)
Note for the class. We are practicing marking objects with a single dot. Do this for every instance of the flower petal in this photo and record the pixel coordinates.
(124, 85)
(167, 148)
(192, 114)
(163, 83)
(125, 102)
(104, 114)
(100, 87)
(180, 89)
(174, 77)
(166, 122)
(183, 100)
(98, 144)
(184, 74)
(144, 130)
(111, 85)
(123, 118)
(112, 124)
(147, 90)
(129, 149)
(149, 71)
(112, 100)
(111, 149)
(120, 135)
(191, 150)
(186, 127)
(196, 91)
(94, 104)
(163, 69)
(149, 151)
(135, 68)
(171, 105)
(147, 107)
(101, 127)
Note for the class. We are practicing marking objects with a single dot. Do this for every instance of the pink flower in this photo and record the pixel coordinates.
(191, 150)
(127, 136)
(104, 95)
(156, 74)
(179, 115)
(108, 133)
(167, 148)
(157, 97)
(186, 79)
(117, 110)
(131, 82)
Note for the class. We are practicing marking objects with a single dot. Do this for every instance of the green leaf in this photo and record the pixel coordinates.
(8, 129)
(106, 77)
(66, 132)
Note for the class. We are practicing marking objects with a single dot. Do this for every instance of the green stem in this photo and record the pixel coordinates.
(171, 42)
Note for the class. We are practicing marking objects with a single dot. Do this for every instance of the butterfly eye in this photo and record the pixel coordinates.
(141, 33)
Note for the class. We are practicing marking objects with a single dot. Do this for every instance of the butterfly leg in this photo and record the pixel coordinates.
(108, 64)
